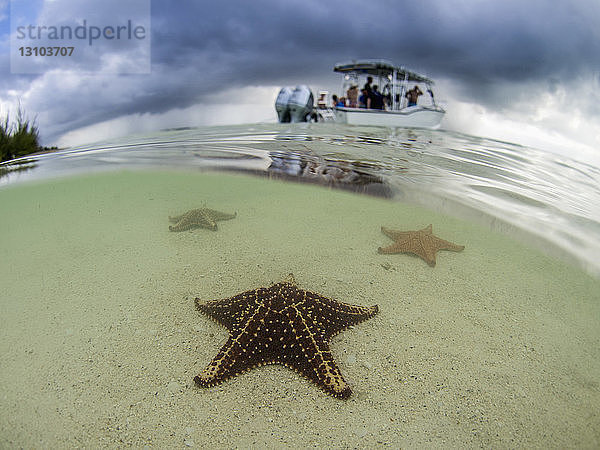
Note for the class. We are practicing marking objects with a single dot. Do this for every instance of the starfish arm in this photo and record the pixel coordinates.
(308, 353)
(445, 245)
(231, 312)
(220, 368)
(394, 234)
(432, 244)
(185, 221)
(244, 350)
(322, 370)
(218, 215)
(427, 254)
(182, 225)
(332, 316)
(408, 244)
(390, 249)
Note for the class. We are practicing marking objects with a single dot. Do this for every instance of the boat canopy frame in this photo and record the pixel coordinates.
(397, 76)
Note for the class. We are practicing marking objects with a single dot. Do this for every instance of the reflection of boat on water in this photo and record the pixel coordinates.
(306, 167)
(296, 104)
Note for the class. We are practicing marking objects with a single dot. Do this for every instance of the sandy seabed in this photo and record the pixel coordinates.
(497, 346)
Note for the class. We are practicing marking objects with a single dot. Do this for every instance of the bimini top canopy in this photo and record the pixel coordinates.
(380, 67)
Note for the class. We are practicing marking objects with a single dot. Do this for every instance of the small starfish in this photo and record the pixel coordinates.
(281, 324)
(422, 243)
(203, 217)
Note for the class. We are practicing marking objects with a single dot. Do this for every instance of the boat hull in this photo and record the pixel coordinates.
(416, 116)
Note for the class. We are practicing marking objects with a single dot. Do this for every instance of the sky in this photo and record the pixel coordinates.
(524, 71)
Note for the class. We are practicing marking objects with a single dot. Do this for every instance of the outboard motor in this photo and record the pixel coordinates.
(282, 104)
(294, 105)
(301, 103)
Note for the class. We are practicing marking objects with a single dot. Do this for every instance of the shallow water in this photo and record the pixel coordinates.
(497, 345)
(541, 198)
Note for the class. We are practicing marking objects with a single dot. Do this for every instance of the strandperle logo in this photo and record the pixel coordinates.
(83, 32)
(92, 36)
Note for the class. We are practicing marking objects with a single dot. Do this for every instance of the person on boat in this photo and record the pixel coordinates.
(322, 102)
(368, 84)
(375, 99)
(387, 96)
(363, 99)
(352, 95)
(338, 102)
(413, 96)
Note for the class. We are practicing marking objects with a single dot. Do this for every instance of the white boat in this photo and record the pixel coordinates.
(412, 117)
(394, 82)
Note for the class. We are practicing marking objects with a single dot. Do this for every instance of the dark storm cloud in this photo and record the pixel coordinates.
(477, 40)
(199, 48)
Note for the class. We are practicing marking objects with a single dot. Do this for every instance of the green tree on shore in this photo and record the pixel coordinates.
(19, 138)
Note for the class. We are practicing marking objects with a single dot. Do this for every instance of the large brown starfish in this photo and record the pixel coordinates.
(203, 217)
(422, 243)
(281, 324)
